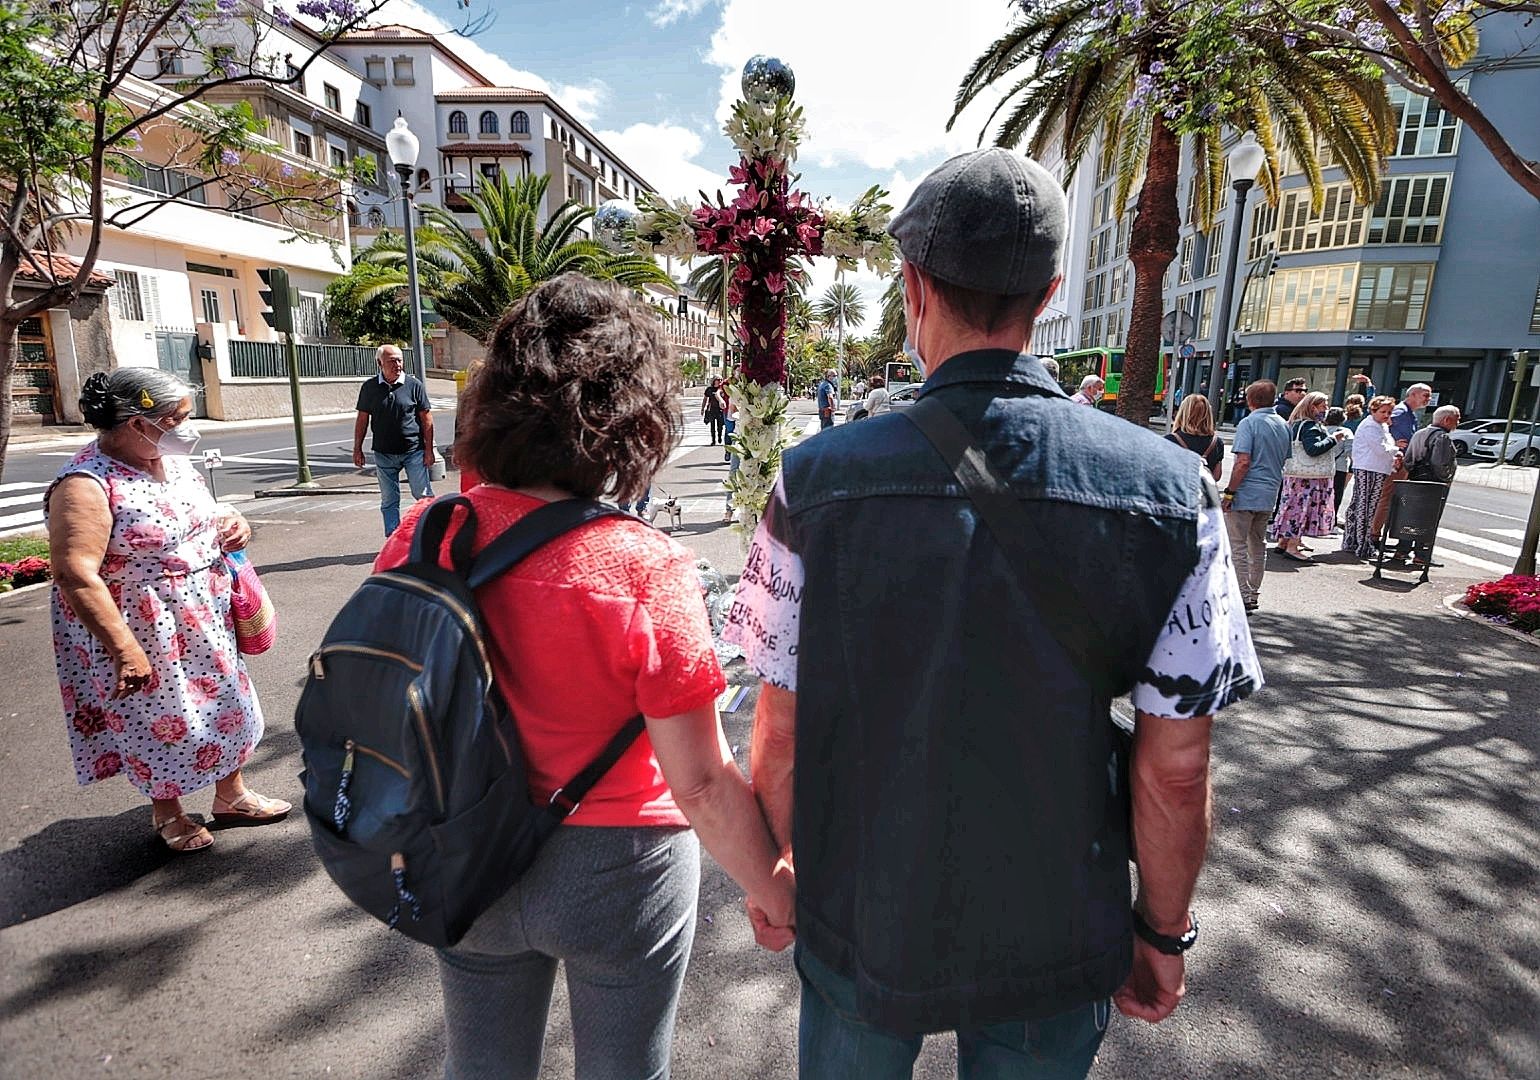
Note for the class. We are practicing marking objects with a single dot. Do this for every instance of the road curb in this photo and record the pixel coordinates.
(4, 596)
(1455, 603)
(285, 493)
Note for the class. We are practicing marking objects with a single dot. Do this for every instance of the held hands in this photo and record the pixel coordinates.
(234, 532)
(1155, 986)
(775, 924)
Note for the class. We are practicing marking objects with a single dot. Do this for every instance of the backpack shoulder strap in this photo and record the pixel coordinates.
(1018, 534)
(433, 526)
(534, 529)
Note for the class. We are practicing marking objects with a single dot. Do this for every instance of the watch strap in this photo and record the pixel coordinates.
(1171, 946)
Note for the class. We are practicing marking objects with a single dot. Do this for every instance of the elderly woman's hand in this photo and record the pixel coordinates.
(133, 671)
(234, 532)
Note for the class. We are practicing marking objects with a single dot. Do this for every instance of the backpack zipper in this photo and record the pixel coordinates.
(318, 658)
(414, 699)
(467, 620)
(342, 806)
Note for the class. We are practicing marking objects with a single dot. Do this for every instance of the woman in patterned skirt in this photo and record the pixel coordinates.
(153, 685)
(1306, 506)
(1375, 457)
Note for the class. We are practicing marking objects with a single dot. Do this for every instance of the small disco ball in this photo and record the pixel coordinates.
(615, 223)
(765, 79)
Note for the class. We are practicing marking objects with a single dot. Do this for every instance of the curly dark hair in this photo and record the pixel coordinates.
(577, 391)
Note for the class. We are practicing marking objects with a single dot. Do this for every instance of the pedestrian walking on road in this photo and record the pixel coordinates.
(153, 684)
(962, 857)
(734, 459)
(876, 402)
(729, 423)
(713, 409)
(395, 407)
(828, 399)
(1375, 459)
(1289, 398)
(1092, 387)
(1336, 420)
(1256, 480)
(1305, 507)
(599, 625)
(1193, 429)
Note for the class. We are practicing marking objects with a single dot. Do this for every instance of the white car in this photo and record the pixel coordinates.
(901, 398)
(1522, 449)
(1464, 437)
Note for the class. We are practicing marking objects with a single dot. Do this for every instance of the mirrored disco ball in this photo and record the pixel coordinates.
(615, 223)
(765, 78)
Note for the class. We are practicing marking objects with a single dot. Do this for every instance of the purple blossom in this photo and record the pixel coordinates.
(1345, 16)
(1144, 87)
(1208, 112)
(1290, 40)
(1157, 66)
(227, 7)
(1055, 51)
(286, 171)
(229, 157)
(329, 10)
(1255, 7)
(1172, 112)
(281, 15)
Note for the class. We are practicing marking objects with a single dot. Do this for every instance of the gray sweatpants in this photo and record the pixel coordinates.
(617, 905)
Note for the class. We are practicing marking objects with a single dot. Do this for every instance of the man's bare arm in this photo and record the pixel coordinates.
(772, 759)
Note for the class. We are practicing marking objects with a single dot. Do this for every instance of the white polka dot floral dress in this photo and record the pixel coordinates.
(198, 720)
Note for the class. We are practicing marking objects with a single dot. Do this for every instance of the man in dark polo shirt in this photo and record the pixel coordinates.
(395, 405)
(958, 821)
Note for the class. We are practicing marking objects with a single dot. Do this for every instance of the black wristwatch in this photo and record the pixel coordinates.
(1171, 946)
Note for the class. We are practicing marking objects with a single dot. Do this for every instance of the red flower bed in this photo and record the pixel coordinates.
(1515, 599)
(28, 571)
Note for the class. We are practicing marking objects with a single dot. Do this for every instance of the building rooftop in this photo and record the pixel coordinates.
(61, 268)
(490, 93)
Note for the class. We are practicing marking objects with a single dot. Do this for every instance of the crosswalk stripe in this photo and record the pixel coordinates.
(1511, 534)
(30, 499)
(1481, 543)
(18, 522)
(1449, 554)
(24, 485)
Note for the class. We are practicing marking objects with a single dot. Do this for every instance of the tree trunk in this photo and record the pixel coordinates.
(1152, 246)
(7, 374)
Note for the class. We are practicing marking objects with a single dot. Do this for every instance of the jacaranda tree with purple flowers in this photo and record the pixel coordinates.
(87, 84)
(1132, 78)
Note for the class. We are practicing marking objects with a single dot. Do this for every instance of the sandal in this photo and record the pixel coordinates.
(250, 809)
(182, 834)
(1287, 554)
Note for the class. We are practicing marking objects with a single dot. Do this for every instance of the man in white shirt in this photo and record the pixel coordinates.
(1091, 389)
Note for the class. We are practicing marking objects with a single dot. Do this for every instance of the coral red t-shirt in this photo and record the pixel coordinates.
(598, 625)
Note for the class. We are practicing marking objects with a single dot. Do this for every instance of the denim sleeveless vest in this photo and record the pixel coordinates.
(962, 853)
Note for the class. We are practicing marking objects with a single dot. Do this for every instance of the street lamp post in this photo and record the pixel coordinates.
(402, 146)
(1246, 160)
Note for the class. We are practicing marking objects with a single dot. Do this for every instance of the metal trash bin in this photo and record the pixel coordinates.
(1416, 506)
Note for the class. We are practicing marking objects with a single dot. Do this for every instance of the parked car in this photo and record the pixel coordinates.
(1522, 450)
(1464, 437)
(901, 398)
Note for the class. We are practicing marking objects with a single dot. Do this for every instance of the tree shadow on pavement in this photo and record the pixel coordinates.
(361, 558)
(1369, 900)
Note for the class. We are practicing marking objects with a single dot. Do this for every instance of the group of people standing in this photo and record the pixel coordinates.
(1294, 456)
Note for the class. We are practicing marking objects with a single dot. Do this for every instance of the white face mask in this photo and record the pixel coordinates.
(178, 442)
(911, 348)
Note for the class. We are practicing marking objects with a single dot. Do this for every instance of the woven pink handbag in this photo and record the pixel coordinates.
(256, 623)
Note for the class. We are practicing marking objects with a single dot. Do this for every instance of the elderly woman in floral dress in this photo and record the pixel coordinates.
(1375, 458)
(153, 686)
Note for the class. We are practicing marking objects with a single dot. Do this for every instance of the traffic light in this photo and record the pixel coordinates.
(278, 299)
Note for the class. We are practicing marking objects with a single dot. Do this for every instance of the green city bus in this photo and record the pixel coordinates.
(1107, 363)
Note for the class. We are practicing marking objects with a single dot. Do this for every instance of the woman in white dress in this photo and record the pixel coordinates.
(153, 685)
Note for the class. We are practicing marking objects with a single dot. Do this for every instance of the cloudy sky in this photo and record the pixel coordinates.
(655, 80)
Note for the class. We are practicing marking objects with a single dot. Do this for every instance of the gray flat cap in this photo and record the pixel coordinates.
(988, 220)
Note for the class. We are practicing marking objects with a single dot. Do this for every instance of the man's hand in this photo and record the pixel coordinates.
(427, 457)
(358, 457)
(1155, 986)
(767, 934)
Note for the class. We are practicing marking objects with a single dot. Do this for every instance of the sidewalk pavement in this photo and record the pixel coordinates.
(49, 435)
(1367, 908)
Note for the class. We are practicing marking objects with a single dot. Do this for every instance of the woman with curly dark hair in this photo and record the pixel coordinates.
(577, 398)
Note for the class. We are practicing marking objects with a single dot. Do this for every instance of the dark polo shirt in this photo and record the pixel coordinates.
(393, 413)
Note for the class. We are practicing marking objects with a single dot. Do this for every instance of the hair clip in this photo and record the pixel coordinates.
(145, 400)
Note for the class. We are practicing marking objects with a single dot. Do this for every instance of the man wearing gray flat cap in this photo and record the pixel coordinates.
(960, 817)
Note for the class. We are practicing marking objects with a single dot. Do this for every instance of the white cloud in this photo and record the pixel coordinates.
(876, 81)
(663, 154)
(667, 12)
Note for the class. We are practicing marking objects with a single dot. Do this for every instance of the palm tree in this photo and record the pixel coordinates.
(888, 341)
(1074, 71)
(473, 280)
(841, 305)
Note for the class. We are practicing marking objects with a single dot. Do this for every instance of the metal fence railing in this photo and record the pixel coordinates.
(266, 360)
